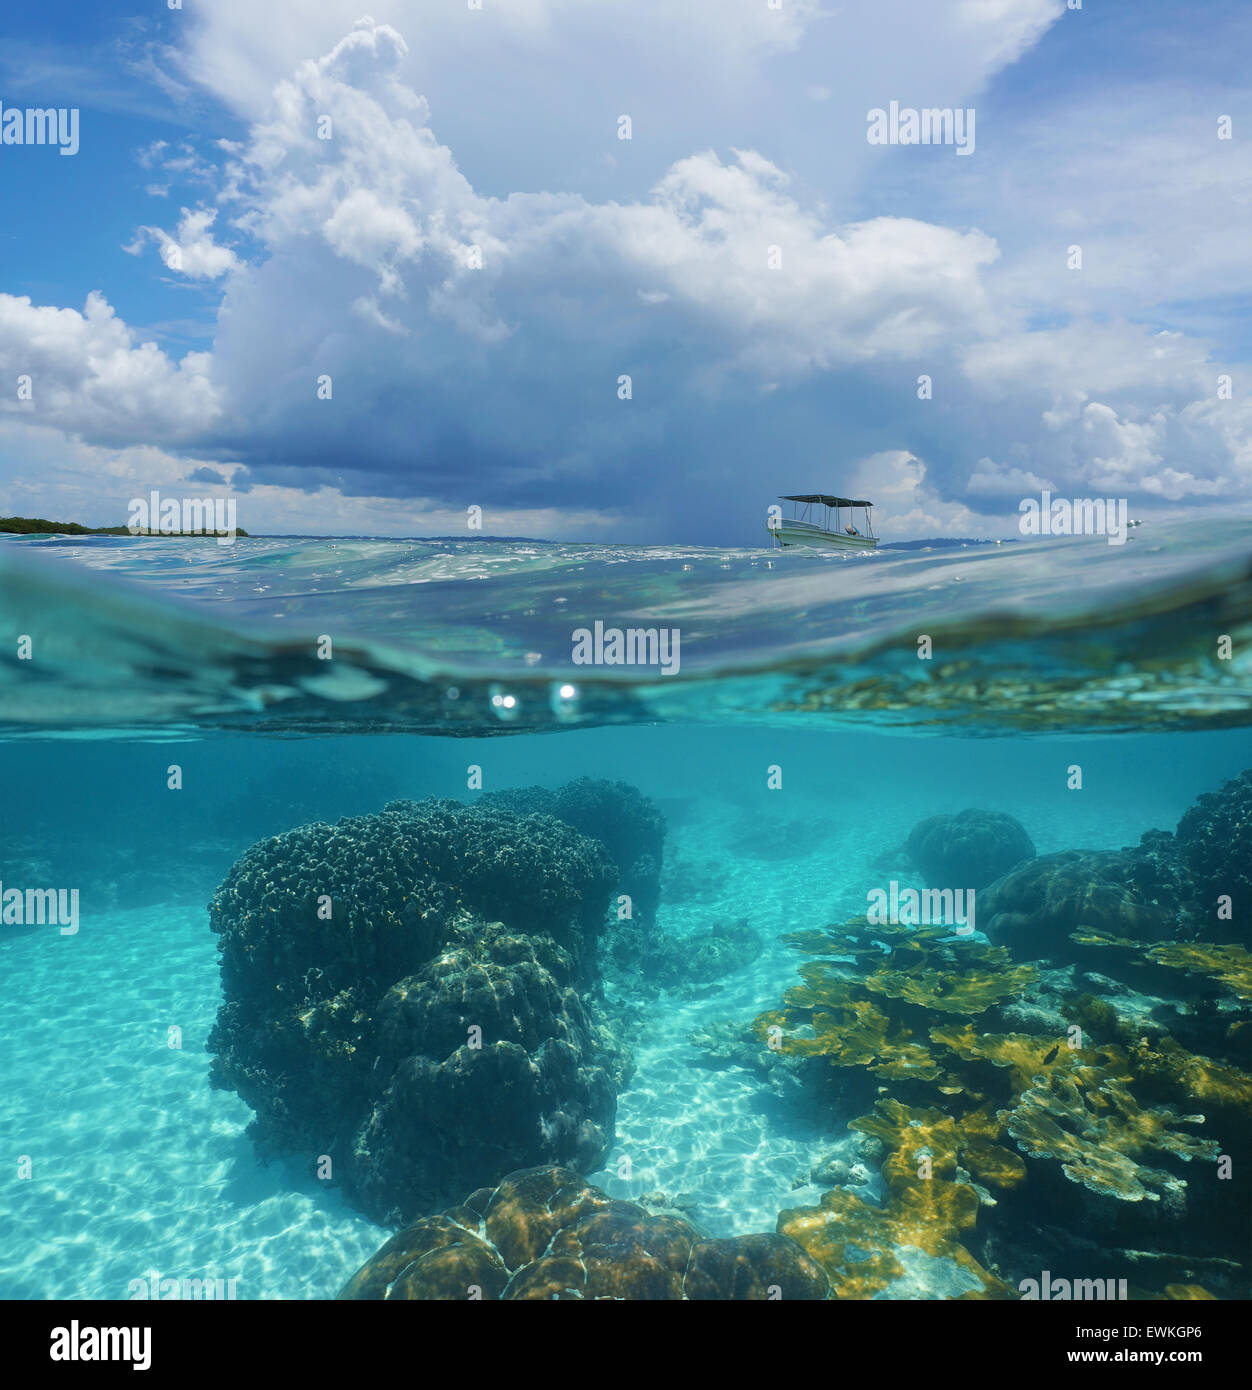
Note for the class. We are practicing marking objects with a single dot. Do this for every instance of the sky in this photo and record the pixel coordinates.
(364, 272)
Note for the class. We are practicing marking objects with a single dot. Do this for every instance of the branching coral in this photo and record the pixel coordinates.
(1229, 965)
(1024, 1056)
(967, 991)
(1094, 1116)
(909, 1131)
(864, 1248)
(1172, 1070)
(1086, 1118)
(849, 1032)
(1074, 1105)
(879, 1019)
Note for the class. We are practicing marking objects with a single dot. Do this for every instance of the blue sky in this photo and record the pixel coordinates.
(773, 284)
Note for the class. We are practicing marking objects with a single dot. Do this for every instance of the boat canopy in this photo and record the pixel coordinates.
(826, 500)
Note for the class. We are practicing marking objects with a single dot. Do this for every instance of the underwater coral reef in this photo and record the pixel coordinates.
(627, 823)
(1069, 1090)
(412, 998)
(405, 995)
(970, 848)
(637, 953)
(418, 995)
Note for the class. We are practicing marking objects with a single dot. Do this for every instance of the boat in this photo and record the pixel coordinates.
(803, 528)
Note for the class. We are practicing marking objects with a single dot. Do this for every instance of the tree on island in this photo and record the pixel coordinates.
(39, 526)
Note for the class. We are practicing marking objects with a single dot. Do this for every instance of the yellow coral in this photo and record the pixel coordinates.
(927, 1208)
(950, 992)
(1025, 1056)
(909, 1131)
(903, 1002)
(1230, 965)
(920, 968)
(852, 1034)
(1198, 1079)
(851, 1240)
(1088, 1120)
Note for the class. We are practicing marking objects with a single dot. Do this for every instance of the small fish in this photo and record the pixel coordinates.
(1051, 1057)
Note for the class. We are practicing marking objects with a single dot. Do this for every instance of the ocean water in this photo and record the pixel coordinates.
(798, 742)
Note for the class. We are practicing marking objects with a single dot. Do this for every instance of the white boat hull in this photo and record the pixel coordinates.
(796, 533)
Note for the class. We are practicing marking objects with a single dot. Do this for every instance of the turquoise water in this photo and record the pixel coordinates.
(800, 742)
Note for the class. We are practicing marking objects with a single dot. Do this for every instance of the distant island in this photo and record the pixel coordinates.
(944, 543)
(39, 526)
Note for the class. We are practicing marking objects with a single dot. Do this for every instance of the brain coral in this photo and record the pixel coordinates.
(1033, 909)
(968, 850)
(402, 994)
(544, 1233)
(1195, 885)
